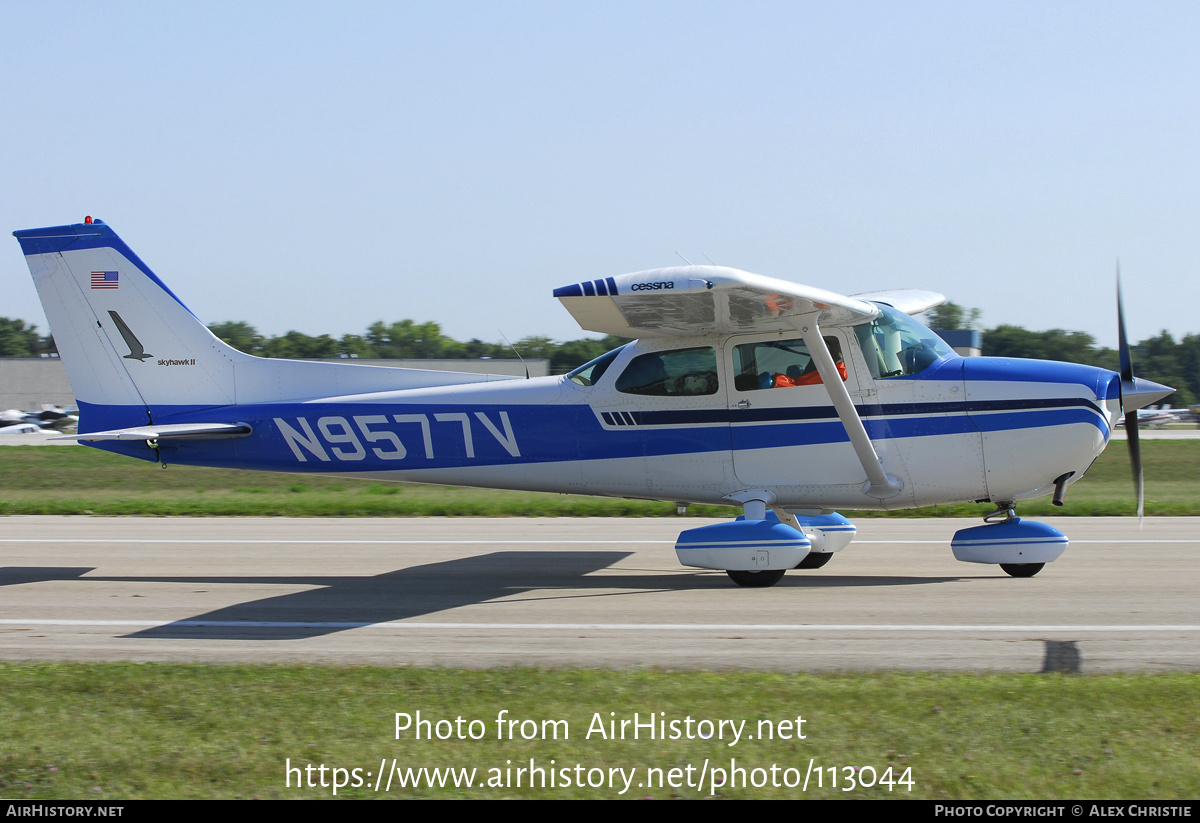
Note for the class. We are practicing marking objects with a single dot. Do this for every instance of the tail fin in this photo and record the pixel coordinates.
(128, 343)
(135, 354)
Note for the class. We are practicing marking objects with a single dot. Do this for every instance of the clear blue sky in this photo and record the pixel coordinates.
(320, 166)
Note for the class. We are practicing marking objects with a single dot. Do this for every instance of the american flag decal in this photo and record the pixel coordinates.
(104, 280)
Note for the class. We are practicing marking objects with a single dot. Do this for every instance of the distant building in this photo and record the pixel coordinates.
(966, 342)
(28, 383)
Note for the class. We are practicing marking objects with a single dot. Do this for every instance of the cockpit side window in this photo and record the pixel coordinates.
(773, 364)
(895, 345)
(679, 373)
(593, 370)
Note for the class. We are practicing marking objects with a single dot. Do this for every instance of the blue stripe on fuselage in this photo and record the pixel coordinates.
(550, 434)
(683, 417)
(540, 434)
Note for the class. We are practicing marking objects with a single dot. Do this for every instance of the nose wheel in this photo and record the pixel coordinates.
(755, 580)
(814, 560)
(1022, 569)
(1007, 513)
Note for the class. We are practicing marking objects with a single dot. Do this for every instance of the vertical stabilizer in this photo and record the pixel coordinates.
(135, 354)
(130, 347)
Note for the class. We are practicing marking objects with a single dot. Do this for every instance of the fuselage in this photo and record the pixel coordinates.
(720, 400)
(951, 429)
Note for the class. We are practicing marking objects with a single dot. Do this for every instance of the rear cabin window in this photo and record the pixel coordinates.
(679, 373)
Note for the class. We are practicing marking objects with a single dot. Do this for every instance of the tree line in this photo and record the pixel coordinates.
(1160, 358)
(408, 340)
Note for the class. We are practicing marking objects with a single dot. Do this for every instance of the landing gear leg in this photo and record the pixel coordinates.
(1004, 513)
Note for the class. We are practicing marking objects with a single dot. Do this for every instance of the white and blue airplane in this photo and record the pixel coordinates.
(786, 400)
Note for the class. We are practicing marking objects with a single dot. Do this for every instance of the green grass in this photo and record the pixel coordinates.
(154, 731)
(124, 731)
(77, 480)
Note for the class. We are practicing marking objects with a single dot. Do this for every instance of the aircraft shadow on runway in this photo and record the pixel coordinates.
(349, 602)
(16, 575)
(345, 602)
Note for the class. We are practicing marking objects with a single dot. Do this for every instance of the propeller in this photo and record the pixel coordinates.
(1135, 394)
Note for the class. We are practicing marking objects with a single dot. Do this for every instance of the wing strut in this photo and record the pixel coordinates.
(880, 484)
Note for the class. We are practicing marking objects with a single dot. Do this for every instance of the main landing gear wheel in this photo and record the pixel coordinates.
(1022, 569)
(814, 560)
(755, 580)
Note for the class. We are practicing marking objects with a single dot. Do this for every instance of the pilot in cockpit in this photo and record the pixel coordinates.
(783, 364)
(809, 375)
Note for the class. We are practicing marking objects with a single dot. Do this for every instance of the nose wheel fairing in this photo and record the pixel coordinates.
(1013, 542)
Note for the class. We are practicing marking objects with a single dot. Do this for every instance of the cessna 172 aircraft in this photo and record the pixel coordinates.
(786, 400)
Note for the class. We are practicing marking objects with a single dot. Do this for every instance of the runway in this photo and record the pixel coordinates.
(587, 592)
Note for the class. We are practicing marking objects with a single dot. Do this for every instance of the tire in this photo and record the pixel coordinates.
(814, 560)
(755, 580)
(1022, 569)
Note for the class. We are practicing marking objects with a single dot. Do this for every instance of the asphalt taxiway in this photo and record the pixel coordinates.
(590, 592)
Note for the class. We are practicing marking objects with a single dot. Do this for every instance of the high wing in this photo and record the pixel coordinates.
(684, 301)
(909, 301)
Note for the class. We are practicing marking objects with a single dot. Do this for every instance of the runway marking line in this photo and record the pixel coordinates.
(487, 542)
(658, 627)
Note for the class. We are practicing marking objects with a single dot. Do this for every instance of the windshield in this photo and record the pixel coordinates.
(895, 345)
(593, 370)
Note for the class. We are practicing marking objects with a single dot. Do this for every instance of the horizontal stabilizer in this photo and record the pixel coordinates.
(174, 431)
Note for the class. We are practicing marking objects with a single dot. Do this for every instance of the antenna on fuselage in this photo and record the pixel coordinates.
(517, 353)
(684, 259)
